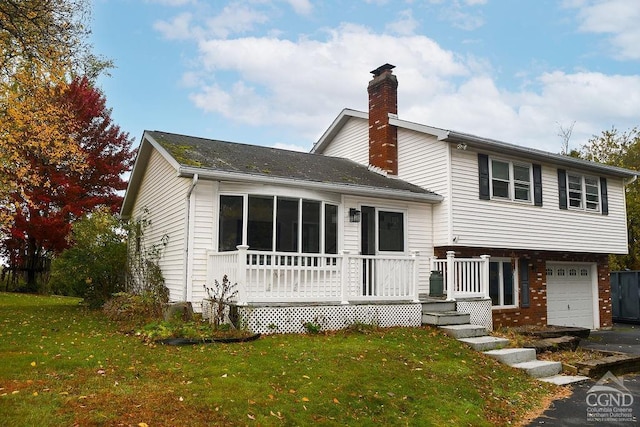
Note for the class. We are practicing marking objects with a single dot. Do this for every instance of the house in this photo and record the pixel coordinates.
(351, 231)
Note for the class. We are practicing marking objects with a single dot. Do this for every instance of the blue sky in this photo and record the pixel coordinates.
(277, 72)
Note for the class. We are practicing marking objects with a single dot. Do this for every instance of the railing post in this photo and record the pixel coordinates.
(451, 275)
(242, 274)
(344, 277)
(484, 280)
(414, 291)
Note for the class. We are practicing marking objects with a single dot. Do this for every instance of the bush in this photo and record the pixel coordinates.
(132, 309)
(94, 267)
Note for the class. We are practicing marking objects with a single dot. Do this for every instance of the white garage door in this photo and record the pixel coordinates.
(570, 295)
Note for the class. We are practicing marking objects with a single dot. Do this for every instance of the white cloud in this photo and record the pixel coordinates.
(461, 16)
(617, 18)
(179, 28)
(301, 7)
(303, 84)
(233, 19)
(404, 25)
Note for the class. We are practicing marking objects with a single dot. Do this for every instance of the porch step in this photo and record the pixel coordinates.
(439, 318)
(511, 356)
(464, 331)
(564, 379)
(485, 343)
(432, 305)
(540, 368)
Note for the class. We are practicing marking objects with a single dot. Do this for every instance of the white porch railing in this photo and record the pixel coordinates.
(463, 277)
(291, 277)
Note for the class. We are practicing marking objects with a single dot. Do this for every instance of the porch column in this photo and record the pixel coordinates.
(242, 274)
(344, 277)
(484, 280)
(414, 280)
(451, 276)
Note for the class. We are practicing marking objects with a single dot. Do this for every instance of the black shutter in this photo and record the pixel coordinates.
(483, 176)
(537, 185)
(562, 188)
(524, 283)
(604, 198)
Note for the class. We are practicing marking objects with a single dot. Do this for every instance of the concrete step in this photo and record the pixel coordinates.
(511, 356)
(485, 343)
(439, 318)
(432, 306)
(564, 379)
(464, 331)
(540, 368)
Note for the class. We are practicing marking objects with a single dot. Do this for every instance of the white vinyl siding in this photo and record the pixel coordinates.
(423, 161)
(514, 225)
(352, 142)
(204, 217)
(165, 195)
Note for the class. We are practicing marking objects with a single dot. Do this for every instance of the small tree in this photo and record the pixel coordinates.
(221, 295)
(93, 267)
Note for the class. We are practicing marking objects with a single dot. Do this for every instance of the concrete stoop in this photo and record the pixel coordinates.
(442, 318)
(521, 358)
(455, 324)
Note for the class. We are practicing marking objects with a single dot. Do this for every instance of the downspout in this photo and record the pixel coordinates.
(187, 242)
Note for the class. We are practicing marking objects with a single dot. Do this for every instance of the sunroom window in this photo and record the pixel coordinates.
(281, 224)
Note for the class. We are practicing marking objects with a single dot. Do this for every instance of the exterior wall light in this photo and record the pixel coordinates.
(354, 215)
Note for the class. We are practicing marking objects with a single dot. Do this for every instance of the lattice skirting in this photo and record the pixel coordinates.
(292, 319)
(479, 311)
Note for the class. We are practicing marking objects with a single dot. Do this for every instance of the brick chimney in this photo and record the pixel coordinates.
(383, 138)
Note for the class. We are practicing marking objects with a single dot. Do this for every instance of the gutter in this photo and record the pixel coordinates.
(187, 241)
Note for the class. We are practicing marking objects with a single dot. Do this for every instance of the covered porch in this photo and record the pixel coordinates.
(283, 291)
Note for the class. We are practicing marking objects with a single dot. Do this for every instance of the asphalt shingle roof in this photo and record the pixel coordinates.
(209, 154)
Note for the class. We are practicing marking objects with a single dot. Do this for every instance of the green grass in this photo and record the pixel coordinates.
(63, 365)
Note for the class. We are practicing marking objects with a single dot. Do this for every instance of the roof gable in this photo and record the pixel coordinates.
(478, 143)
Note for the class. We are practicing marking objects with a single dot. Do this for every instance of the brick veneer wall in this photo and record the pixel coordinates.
(536, 313)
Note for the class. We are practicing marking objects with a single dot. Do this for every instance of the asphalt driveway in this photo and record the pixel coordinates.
(583, 408)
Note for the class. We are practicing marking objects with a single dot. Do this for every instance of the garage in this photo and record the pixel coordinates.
(570, 294)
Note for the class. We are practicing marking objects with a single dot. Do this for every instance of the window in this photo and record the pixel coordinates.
(510, 180)
(390, 231)
(330, 229)
(502, 288)
(583, 192)
(230, 222)
(260, 223)
(281, 224)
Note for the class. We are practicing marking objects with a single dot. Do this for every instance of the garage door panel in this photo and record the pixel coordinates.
(569, 295)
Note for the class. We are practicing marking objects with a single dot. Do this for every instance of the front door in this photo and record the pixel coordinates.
(368, 247)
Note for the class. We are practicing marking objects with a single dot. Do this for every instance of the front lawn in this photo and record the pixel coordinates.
(63, 365)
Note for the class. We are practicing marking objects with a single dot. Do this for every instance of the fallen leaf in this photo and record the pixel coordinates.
(305, 399)
(143, 425)
(35, 393)
(292, 391)
(336, 400)
(251, 417)
(33, 363)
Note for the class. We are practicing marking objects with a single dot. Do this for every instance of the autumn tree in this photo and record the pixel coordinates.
(44, 210)
(621, 149)
(42, 44)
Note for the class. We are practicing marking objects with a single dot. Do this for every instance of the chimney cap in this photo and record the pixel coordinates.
(381, 69)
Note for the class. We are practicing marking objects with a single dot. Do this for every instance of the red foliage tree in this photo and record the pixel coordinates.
(44, 213)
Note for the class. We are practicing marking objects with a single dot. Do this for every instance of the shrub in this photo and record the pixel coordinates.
(94, 267)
